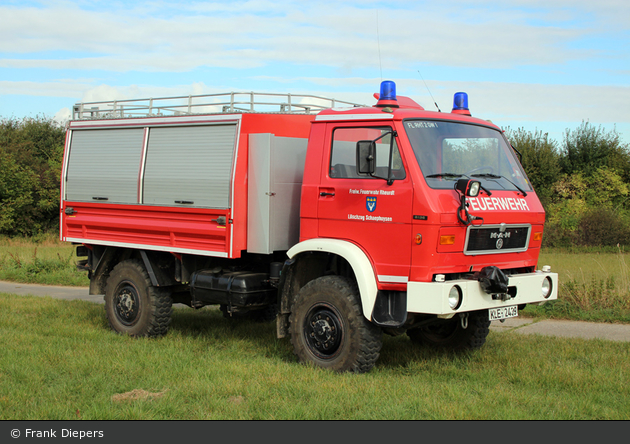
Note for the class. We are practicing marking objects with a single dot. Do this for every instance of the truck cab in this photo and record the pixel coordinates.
(436, 205)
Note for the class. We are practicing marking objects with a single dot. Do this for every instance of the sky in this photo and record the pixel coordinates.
(541, 65)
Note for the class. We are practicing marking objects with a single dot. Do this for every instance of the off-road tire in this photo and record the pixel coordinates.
(133, 306)
(450, 334)
(328, 329)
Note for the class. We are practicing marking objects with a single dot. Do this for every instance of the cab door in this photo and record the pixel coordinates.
(367, 210)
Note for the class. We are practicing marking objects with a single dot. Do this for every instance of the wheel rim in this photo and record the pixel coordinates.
(323, 331)
(127, 303)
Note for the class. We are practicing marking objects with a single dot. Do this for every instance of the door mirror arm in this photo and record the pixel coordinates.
(366, 157)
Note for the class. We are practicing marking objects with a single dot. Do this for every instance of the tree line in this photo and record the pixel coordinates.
(583, 181)
(31, 152)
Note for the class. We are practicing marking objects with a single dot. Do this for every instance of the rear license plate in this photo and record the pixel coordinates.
(496, 314)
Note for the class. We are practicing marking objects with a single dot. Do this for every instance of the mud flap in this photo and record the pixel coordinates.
(390, 309)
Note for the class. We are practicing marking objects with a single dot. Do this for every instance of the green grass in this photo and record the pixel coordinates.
(59, 361)
(45, 260)
(594, 286)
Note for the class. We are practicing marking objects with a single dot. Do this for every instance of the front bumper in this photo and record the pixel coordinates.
(432, 297)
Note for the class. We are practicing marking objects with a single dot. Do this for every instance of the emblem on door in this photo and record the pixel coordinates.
(370, 204)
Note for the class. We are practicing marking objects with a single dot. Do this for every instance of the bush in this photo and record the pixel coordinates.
(587, 149)
(557, 236)
(604, 227)
(31, 152)
(589, 210)
(540, 159)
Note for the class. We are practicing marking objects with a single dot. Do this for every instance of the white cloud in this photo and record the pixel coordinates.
(262, 33)
(495, 100)
(532, 102)
(63, 116)
(48, 88)
(579, 41)
(510, 102)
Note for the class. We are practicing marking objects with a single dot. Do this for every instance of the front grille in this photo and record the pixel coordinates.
(494, 239)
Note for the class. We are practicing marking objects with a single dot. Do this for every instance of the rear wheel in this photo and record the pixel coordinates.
(450, 333)
(133, 305)
(328, 328)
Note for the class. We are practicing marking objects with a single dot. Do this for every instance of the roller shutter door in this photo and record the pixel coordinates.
(189, 166)
(104, 165)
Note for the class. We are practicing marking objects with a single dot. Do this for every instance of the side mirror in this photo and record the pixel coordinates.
(366, 156)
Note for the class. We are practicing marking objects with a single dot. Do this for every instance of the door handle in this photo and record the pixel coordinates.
(324, 194)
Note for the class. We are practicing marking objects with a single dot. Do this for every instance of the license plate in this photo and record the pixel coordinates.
(497, 314)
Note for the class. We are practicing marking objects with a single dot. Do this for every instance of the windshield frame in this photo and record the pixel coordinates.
(433, 167)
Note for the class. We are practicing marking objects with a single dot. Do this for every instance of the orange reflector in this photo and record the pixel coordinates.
(418, 239)
(447, 240)
(538, 237)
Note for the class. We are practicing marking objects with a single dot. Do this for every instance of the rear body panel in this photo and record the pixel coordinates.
(176, 184)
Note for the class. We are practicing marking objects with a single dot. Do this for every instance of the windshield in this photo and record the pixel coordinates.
(447, 151)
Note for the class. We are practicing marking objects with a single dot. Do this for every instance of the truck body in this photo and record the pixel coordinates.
(342, 224)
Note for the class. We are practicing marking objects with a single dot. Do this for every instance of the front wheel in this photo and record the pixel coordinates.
(133, 305)
(450, 333)
(328, 328)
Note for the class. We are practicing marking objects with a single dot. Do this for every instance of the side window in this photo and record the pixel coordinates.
(343, 160)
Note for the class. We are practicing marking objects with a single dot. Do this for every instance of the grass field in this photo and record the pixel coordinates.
(593, 286)
(46, 260)
(587, 266)
(59, 361)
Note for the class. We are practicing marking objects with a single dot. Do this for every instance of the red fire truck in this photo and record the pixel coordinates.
(340, 221)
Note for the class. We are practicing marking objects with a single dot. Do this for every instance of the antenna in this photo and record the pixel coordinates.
(378, 41)
(425, 84)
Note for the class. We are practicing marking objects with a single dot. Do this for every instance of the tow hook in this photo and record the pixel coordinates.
(502, 297)
(463, 317)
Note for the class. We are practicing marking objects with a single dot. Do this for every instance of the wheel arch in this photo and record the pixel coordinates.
(356, 258)
(160, 266)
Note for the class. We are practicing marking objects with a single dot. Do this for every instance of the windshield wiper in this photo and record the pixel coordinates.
(454, 176)
(496, 176)
(438, 175)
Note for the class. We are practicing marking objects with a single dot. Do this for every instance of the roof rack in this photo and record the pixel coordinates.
(233, 102)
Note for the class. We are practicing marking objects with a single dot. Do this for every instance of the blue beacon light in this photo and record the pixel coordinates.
(460, 104)
(388, 90)
(387, 97)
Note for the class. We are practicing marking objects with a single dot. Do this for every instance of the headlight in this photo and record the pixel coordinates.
(474, 189)
(547, 287)
(455, 297)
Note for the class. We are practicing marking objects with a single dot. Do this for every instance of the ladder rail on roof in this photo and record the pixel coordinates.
(239, 102)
